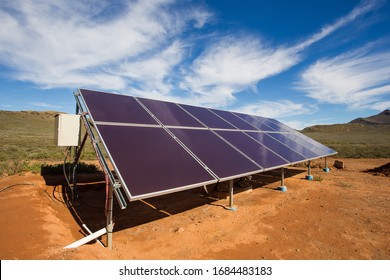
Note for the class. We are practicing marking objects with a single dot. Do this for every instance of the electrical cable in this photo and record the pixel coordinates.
(63, 166)
(69, 185)
(21, 184)
(28, 184)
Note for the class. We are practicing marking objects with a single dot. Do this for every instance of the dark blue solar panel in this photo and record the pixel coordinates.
(207, 117)
(219, 156)
(276, 146)
(280, 124)
(108, 107)
(323, 148)
(256, 123)
(298, 147)
(149, 160)
(272, 124)
(312, 147)
(257, 152)
(234, 120)
(170, 113)
(305, 138)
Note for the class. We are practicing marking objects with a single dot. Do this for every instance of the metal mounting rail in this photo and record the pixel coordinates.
(115, 183)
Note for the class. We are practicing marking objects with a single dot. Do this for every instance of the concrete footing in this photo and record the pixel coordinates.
(309, 177)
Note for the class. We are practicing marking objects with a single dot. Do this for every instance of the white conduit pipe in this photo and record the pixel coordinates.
(86, 239)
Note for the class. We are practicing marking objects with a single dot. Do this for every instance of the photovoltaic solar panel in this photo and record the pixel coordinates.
(307, 144)
(282, 127)
(234, 120)
(297, 147)
(219, 156)
(320, 148)
(323, 148)
(276, 146)
(255, 122)
(150, 161)
(256, 151)
(170, 113)
(207, 117)
(159, 147)
(273, 125)
(107, 107)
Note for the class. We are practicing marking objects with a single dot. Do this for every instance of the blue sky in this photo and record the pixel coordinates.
(301, 62)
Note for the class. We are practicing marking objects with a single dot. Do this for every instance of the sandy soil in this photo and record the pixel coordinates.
(344, 216)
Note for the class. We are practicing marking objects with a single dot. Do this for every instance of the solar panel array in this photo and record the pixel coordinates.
(161, 147)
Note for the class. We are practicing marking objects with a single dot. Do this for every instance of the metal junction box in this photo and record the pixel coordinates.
(67, 130)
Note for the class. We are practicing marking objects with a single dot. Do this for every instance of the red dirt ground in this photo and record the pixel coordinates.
(344, 214)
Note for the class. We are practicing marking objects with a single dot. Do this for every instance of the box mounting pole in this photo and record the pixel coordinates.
(283, 188)
(231, 203)
(309, 176)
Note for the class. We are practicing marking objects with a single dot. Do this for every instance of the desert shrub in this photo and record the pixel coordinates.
(58, 168)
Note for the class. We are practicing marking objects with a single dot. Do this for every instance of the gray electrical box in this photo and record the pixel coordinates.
(67, 130)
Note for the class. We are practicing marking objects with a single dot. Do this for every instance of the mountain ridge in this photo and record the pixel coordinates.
(381, 118)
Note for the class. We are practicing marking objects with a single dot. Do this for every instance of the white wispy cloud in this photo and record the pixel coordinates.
(44, 105)
(141, 47)
(152, 73)
(236, 63)
(358, 79)
(233, 64)
(360, 10)
(277, 109)
(71, 43)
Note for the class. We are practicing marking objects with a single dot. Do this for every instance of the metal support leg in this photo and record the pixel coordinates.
(326, 169)
(231, 204)
(76, 158)
(75, 194)
(110, 223)
(309, 176)
(283, 188)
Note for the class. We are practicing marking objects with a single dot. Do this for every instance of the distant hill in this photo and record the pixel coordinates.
(362, 137)
(381, 118)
